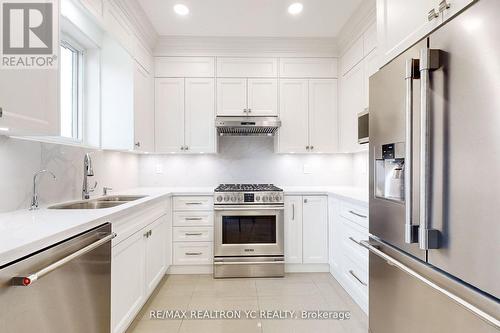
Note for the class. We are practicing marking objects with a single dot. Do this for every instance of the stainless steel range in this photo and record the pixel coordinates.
(248, 231)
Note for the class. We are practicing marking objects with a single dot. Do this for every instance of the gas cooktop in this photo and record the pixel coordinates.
(245, 194)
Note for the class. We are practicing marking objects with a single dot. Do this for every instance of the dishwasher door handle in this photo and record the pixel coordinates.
(29, 279)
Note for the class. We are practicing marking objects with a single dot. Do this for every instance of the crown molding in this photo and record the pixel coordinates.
(139, 21)
(364, 16)
(245, 46)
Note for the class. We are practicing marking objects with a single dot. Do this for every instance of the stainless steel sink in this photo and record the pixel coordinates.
(125, 198)
(92, 204)
(99, 203)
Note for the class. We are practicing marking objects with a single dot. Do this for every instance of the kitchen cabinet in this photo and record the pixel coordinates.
(242, 97)
(247, 67)
(143, 109)
(293, 229)
(306, 229)
(402, 23)
(352, 56)
(29, 102)
(137, 266)
(370, 67)
(308, 68)
(308, 111)
(185, 67)
(184, 115)
(315, 229)
(352, 102)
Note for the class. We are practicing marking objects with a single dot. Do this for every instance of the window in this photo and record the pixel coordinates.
(71, 90)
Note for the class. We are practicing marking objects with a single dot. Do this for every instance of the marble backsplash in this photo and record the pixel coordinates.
(248, 160)
(20, 159)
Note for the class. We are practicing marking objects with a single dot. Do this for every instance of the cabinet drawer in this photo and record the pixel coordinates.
(193, 253)
(194, 203)
(193, 234)
(192, 219)
(351, 250)
(357, 281)
(355, 213)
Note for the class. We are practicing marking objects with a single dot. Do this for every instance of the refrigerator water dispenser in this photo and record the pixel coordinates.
(389, 171)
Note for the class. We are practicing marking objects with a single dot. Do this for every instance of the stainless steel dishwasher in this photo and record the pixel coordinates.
(63, 288)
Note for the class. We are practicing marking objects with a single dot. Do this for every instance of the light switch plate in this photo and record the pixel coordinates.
(159, 168)
(307, 169)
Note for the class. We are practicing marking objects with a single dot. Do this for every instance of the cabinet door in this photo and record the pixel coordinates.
(127, 281)
(370, 67)
(263, 97)
(144, 121)
(200, 115)
(323, 116)
(401, 23)
(155, 253)
(169, 115)
(231, 97)
(334, 238)
(294, 130)
(293, 229)
(352, 102)
(315, 230)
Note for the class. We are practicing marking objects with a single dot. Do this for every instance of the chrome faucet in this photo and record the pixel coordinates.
(34, 198)
(88, 171)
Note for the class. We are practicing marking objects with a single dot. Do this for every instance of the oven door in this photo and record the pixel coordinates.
(249, 231)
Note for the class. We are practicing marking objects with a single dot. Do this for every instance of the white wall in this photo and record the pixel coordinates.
(20, 159)
(245, 160)
(360, 169)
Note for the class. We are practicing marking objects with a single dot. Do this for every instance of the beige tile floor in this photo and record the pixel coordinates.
(304, 291)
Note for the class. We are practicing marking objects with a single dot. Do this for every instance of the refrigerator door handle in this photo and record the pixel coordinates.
(428, 238)
(412, 73)
(393, 262)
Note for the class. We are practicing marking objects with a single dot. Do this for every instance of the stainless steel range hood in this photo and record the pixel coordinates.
(247, 126)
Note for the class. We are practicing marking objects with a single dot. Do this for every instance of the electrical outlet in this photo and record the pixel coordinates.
(159, 168)
(307, 169)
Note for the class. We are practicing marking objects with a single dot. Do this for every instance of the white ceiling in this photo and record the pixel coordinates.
(251, 18)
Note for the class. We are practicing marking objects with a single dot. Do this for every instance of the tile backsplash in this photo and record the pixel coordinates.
(20, 159)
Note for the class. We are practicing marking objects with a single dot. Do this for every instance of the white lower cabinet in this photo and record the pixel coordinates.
(349, 261)
(306, 229)
(137, 266)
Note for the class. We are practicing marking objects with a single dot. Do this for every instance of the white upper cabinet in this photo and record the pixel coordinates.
(169, 115)
(247, 67)
(29, 102)
(352, 56)
(293, 229)
(294, 130)
(370, 39)
(308, 67)
(144, 117)
(370, 64)
(352, 102)
(308, 111)
(241, 97)
(402, 23)
(184, 67)
(262, 97)
(200, 115)
(315, 230)
(231, 97)
(323, 116)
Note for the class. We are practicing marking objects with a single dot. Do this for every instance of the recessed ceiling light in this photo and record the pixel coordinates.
(181, 9)
(4, 129)
(295, 8)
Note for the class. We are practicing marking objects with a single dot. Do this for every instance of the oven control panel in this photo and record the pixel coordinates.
(246, 198)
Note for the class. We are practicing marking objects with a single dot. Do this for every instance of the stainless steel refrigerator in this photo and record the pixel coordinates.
(435, 181)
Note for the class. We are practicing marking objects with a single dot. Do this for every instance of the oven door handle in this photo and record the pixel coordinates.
(248, 262)
(240, 208)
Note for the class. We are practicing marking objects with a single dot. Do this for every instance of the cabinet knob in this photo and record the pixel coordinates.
(1, 112)
(307, 147)
(249, 110)
(443, 5)
(137, 144)
(305, 200)
(432, 14)
(186, 147)
(312, 147)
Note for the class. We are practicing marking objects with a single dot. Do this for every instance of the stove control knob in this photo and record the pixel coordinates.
(271, 198)
(219, 198)
(233, 198)
(264, 198)
(240, 198)
(226, 198)
(257, 198)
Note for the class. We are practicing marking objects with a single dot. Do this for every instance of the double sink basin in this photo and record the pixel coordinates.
(99, 203)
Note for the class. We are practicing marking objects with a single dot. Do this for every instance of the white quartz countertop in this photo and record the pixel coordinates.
(23, 232)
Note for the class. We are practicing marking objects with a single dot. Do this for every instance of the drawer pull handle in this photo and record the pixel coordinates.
(193, 234)
(194, 203)
(193, 253)
(355, 241)
(194, 218)
(357, 214)
(357, 278)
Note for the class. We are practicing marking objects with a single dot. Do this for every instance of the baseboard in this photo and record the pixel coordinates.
(190, 269)
(307, 268)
